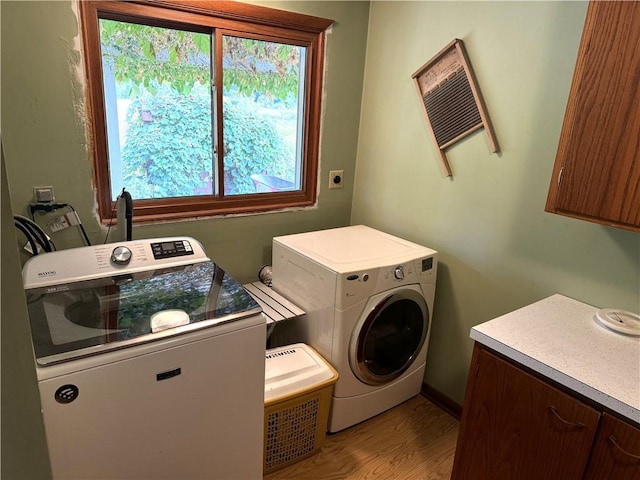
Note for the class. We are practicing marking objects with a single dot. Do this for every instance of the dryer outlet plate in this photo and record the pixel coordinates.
(336, 178)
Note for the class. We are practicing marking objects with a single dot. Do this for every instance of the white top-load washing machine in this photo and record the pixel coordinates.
(150, 362)
(368, 298)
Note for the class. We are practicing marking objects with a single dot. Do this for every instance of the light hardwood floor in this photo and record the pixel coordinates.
(413, 441)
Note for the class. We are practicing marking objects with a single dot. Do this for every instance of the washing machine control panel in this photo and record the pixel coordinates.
(97, 261)
(121, 255)
(172, 248)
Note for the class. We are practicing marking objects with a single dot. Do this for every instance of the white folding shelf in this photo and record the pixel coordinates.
(275, 307)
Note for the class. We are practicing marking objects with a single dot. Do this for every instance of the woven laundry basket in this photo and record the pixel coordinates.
(298, 388)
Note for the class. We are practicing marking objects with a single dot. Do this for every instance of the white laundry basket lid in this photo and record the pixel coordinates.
(294, 368)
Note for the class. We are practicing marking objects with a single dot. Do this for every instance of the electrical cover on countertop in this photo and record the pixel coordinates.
(294, 368)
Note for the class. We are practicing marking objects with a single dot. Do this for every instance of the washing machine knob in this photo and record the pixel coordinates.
(121, 255)
(398, 272)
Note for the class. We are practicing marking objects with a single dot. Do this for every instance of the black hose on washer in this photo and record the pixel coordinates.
(34, 234)
(27, 234)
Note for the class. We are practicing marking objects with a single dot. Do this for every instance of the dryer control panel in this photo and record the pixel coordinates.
(357, 286)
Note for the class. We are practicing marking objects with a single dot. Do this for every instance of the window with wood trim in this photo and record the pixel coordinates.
(203, 107)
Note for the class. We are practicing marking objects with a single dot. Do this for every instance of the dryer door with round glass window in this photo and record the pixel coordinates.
(388, 339)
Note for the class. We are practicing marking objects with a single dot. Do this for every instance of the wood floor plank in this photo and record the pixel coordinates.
(413, 441)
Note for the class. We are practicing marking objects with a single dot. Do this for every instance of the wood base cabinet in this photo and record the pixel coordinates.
(517, 426)
(616, 451)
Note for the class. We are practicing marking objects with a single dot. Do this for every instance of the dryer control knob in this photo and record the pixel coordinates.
(121, 255)
(398, 272)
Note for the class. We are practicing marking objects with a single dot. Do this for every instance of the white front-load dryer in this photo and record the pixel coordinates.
(368, 298)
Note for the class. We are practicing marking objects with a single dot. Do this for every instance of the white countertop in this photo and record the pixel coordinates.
(559, 338)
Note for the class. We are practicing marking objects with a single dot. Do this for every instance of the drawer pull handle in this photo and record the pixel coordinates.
(613, 440)
(554, 410)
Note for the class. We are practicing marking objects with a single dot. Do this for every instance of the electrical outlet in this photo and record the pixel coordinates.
(44, 194)
(336, 179)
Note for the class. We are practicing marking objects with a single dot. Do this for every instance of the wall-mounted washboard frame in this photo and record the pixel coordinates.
(451, 99)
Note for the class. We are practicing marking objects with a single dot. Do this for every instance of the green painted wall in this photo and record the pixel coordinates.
(499, 250)
(44, 133)
(24, 448)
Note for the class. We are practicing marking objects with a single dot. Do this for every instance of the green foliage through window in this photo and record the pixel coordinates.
(163, 75)
(149, 56)
(168, 151)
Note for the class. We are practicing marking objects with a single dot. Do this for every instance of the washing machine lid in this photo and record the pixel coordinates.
(352, 248)
(130, 306)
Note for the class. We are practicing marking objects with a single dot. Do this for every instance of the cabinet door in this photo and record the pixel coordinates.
(616, 451)
(515, 426)
(597, 171)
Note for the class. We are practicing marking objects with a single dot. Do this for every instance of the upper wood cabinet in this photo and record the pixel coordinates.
(596, 175)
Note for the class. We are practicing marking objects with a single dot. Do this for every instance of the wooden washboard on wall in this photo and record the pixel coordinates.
(451, 99)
